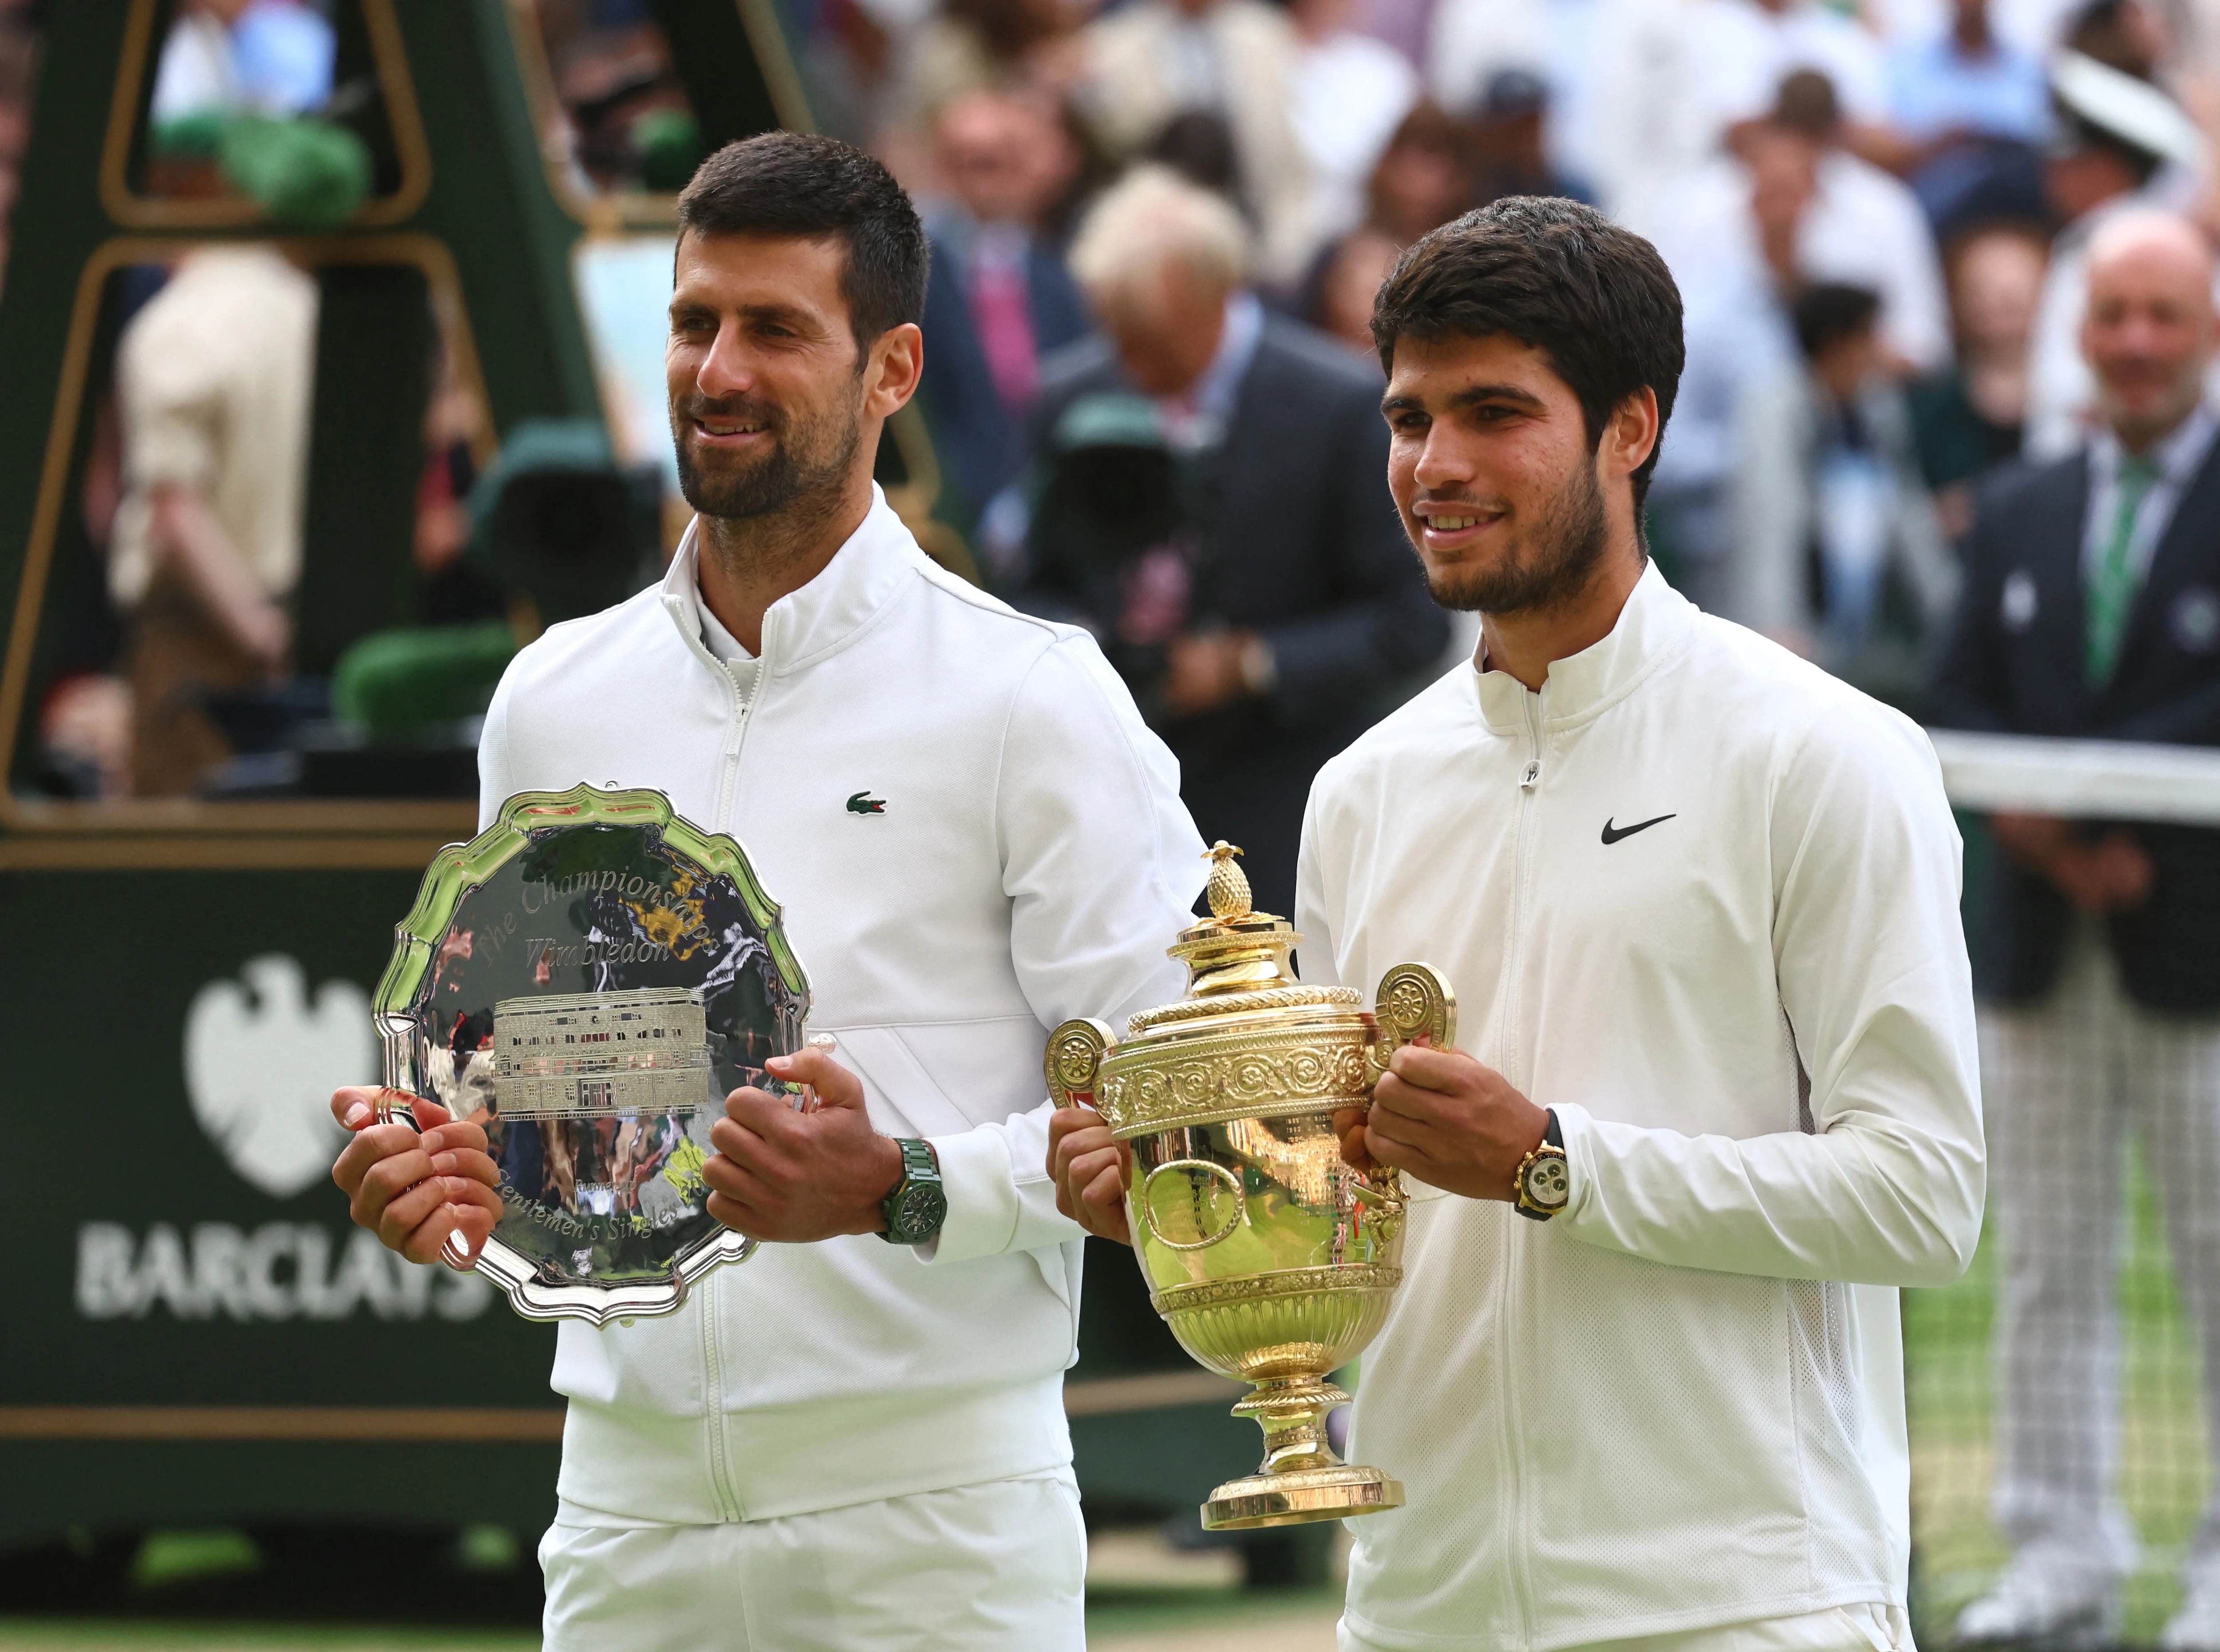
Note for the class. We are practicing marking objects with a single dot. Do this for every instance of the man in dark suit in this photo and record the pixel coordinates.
(1000, 298)
(2092, 608)
(1273, 610)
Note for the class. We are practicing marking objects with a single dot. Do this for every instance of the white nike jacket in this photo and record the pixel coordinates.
(1702, 899)
(1030, 861)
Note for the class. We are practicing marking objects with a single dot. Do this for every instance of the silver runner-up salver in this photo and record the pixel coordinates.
(589, 978)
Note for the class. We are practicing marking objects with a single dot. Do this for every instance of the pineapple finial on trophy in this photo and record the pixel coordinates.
(1229, 886)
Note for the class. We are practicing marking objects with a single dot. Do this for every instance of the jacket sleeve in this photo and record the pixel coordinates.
(1884, 1186)
(1101, 866)
(1381, 624)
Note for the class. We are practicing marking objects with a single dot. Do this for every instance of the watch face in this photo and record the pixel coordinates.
(921, 1210)
(1548, 1184)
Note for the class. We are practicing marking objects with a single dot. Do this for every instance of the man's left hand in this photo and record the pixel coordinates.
(1444, 1119)
(793, 1177)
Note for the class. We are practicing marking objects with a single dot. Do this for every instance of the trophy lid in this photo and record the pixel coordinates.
(1236, 949)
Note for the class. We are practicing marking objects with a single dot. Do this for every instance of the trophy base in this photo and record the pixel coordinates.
(1300, 1495)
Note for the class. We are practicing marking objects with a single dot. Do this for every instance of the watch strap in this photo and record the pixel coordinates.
(920, 1168)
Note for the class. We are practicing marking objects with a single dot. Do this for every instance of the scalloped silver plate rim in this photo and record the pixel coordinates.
(599, 1306)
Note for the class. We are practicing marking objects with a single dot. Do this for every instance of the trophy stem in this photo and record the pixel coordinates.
(1300, 1478)
(1292, 1411)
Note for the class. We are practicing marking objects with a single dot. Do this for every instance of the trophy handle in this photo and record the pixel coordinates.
(1074, 1058)
(1414, 1001)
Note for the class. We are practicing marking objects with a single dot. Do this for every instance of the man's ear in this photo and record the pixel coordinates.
(1631, 436)
(894, 367)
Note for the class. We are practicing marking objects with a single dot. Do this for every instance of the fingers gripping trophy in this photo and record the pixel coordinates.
(1271, 1259)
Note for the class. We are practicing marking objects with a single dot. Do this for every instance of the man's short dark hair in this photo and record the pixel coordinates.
(798, 183)
(1559, 277)
(1828, 312)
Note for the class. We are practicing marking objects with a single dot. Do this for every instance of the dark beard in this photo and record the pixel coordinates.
(1546, 567)
(811, 458)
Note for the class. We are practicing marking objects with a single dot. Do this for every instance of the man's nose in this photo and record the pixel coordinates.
(725, 370)
(1441, 461)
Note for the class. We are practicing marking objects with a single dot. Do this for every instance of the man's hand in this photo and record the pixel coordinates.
(1088, 1169)
(415, 1189)
(1447, 1121)
(1203, 671)
(2112, 875)
(796, 1177)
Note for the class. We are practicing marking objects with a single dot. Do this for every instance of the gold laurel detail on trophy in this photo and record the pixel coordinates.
(1229, 886)
(1257, 1288)
(1248, 1075)
(1205, 1009)
(1073, 1060)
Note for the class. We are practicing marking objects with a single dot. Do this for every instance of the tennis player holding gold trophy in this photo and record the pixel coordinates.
(1271, 1259)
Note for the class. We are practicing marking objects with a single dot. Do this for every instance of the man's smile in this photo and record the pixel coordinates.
(1450, 525)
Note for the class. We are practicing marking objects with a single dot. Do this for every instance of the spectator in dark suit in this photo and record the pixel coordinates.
(2092, 608)
(1000, 298)
(1271, 610)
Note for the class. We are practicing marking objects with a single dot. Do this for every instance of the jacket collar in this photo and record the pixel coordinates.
(1651, 631)
(864, 573)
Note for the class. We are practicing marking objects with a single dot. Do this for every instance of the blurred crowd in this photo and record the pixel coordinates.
(1157, 225)
(1876, 212)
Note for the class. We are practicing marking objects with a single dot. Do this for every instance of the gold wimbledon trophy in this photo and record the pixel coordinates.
(1270, 1259)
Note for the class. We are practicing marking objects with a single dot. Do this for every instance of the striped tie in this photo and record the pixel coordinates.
(2112, 583)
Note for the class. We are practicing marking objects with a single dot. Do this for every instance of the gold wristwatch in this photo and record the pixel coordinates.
(1544, 1183)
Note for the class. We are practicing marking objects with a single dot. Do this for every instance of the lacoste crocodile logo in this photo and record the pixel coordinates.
(1611, 834)
(863, 803)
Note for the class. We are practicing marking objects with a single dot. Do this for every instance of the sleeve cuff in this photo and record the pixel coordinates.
(983, 1199)
(1579, 1135)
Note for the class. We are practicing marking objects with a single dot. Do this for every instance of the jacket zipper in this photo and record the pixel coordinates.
(728, 783)
(1512, 1045)
(712, 1360)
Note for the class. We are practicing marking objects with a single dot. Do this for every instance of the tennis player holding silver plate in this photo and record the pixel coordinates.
(588, 979)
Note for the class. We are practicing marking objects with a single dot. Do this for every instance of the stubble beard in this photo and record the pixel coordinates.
(804, 472)
(1544, 568)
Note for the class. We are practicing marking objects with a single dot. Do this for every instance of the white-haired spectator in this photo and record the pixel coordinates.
(1265, 607)
(2125, 147)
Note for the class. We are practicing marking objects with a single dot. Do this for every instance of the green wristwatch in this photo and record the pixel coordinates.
(917, 1207)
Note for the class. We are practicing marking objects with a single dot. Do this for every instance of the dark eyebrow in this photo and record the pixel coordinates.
(789, 314)
(1471, 396)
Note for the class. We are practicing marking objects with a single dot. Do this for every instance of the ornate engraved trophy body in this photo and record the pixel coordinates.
(589, 978)
(1270, 1259)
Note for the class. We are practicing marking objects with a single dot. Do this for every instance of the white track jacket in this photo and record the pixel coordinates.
(1702, 899)
(1030, 860)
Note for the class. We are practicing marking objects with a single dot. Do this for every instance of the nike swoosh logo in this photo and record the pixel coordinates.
(1611, 834)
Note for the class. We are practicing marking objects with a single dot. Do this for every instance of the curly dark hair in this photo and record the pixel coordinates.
(798, 183)
(1559, 277)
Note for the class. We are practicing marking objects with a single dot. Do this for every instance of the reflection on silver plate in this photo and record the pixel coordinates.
(589, 978)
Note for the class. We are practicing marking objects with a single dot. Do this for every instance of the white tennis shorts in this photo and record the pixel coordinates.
(995, 1568)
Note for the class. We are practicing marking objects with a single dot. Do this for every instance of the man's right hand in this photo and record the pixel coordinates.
(412, 1189)
(1088, 1169)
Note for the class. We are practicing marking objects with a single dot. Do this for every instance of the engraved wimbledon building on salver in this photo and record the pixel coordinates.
(589, 1055)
